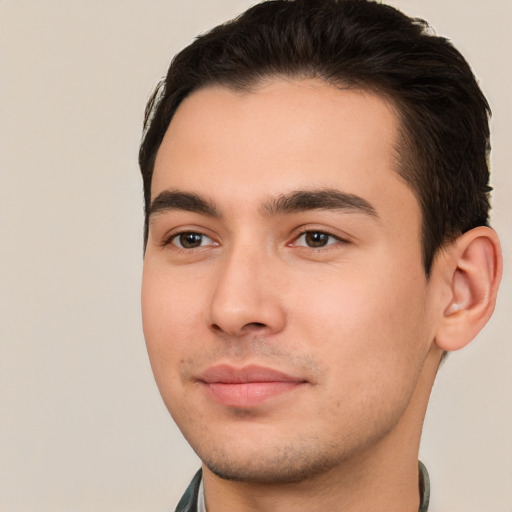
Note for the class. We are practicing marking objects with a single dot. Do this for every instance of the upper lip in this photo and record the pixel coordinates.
(226, 374)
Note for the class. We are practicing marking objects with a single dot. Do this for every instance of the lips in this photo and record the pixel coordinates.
(248, 386)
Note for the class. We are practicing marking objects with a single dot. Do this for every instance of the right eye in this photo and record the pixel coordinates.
(190, 240)
(316, 239)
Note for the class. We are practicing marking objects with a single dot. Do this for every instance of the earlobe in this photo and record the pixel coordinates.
(473, 266)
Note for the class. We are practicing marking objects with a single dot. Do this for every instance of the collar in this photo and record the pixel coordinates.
(424, 483)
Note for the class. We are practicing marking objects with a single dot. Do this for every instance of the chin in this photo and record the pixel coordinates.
(270, 464)
(263, 473)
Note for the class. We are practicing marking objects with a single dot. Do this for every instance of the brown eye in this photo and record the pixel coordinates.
(317, 239)
(190, 240)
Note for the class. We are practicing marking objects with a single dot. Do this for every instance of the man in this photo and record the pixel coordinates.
(316, 191)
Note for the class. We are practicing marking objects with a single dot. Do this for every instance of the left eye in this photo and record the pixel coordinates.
(191, 240)
(315, 239)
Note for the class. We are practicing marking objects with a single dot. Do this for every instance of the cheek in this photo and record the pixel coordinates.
(370, 336)
(170, 314)
(373, 320)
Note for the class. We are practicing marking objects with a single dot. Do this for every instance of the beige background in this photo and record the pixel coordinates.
(82, 427)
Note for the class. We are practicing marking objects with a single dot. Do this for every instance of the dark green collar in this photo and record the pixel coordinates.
(424, 487)
(188, 502)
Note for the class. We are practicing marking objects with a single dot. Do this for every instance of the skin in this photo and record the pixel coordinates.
(353, 320)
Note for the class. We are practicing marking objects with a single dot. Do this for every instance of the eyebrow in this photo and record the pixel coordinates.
(169, 200)
(293, 202)
(324, 199)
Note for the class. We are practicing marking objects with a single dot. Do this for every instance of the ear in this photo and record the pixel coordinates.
(471, 269)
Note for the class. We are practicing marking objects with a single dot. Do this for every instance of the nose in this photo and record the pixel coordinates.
(247, 295)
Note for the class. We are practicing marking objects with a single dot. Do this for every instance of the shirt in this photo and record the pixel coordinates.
(189, 501)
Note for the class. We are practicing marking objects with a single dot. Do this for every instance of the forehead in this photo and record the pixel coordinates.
(282, 136)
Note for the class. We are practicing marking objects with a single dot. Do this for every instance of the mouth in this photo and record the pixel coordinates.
(248, 386)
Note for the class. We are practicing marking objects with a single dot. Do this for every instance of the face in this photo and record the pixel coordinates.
(285, 306)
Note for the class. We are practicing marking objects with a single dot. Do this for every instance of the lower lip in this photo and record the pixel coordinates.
(249, 394)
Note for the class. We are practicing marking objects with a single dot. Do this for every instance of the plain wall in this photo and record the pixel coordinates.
(82, 426)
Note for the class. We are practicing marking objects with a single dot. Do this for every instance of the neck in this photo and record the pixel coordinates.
(383, 477)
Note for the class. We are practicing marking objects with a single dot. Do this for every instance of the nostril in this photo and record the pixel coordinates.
(252, 326)
(255, 325)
